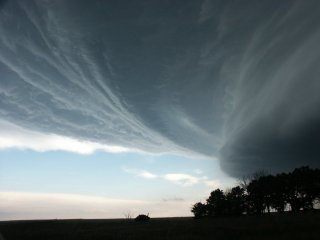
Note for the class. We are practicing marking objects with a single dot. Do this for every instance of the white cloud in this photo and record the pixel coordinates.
(12, 136)
(30, 205)
(146, 174)
(182, 179)
(198, 171)
(140, 173)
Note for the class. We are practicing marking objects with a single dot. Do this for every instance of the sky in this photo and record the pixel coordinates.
(116, 107)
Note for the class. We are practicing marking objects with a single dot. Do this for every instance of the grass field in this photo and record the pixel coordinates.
(287, 226)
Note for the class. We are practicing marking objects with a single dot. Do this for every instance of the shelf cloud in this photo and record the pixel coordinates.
(233, 80)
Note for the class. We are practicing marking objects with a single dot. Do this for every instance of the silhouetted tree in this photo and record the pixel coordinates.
(261, 192)
(199, 210)
(316, 190)
(255, 197)
(235, 201)
(216, 203)
(278, 194)
(127, 215)
(266, 183)
(304, 188)
(142, 218)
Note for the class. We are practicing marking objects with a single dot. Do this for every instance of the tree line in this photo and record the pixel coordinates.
(295, 191)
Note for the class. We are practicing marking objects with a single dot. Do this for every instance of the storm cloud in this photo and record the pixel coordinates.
(234, 80)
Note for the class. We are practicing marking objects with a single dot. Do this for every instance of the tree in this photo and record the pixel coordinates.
(255, 197)
(216, 203)
(303, 188)
(235, 201)
(278, 194)
(199, 210)
(266, 184)
(128, 215)
(142, 218)
(260, 192)
(316, 190)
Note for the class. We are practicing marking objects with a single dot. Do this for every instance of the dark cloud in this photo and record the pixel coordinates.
(236, 80)
(2, 2)
(274, 122)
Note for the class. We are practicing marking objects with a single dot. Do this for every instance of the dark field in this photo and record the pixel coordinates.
(286, 226)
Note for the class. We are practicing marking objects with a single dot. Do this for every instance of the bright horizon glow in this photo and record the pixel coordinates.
(31, 205)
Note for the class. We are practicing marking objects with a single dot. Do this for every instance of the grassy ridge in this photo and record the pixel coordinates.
(286, 226)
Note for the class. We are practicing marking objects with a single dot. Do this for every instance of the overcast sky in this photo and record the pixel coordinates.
(163, 100)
